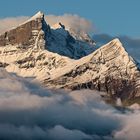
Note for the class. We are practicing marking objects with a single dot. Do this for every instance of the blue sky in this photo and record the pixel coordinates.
(114, 17)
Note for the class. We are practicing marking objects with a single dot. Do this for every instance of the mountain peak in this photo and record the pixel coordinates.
(116, 41)
(113, 45)
(58, 26)
(29, 34)
(37, 16)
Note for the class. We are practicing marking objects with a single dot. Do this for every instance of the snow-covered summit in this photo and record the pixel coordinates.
(30, 34)
(36, 33)
(38, 15)
(58, 26)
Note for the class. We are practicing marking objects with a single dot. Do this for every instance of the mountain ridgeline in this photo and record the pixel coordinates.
(58, 58)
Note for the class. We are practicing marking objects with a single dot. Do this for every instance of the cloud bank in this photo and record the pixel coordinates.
(70, 21)
(28, 111)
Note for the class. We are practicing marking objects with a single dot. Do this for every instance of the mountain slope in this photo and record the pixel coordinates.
(36, 33)
(108, 69)
(24, 49)
(61, 41)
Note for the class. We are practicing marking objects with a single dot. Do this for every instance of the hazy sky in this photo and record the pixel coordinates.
(114, 17)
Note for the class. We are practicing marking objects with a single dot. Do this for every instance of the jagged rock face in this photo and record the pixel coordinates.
(28, 34)
(81, 36)
(108, 69)
(61, 41)
(35, 33)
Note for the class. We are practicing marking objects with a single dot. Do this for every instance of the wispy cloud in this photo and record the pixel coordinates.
(9, 22)
(70, 21)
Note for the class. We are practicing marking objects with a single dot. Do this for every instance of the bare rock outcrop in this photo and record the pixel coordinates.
(31, 33)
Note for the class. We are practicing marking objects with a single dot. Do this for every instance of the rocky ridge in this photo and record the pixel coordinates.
(108, 69)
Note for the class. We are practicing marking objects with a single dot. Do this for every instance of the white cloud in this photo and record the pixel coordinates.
(70, 21)
(10, 22)
(130, 129)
